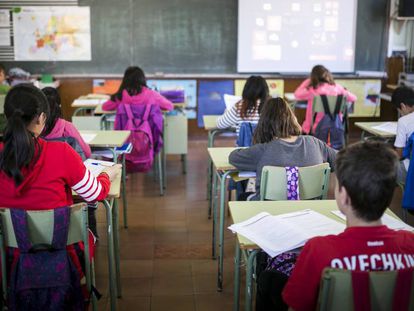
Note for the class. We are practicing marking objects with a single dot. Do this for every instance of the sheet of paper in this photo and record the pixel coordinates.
(231, 100)
(389, 221)
(389, 127)
(88, 137)
(281, 233)
(247, 174)
(97, 166)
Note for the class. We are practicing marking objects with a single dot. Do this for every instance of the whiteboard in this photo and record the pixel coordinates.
(294, 35)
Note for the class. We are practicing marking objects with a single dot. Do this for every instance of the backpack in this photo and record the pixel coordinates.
(71, 141)
(245, 137)
(44, 277)
(142, 155)
(408, 196)
(331, 128)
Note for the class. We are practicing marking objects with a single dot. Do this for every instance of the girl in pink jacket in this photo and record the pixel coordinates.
(320, 82)
(134, 89)
(56, 127)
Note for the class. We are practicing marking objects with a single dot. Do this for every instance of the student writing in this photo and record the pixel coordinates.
(277, 142)
(320, 82)
(36, 174)
(255, 93)
(403, 100)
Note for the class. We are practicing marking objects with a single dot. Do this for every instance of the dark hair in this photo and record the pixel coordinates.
(319, 75)
(2, 68)
(403, 95)
(277, 120)
(255, 88)
(55, 111)
(23, 104)
(132, 82)
(368, 172)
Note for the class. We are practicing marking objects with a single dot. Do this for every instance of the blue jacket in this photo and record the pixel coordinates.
(408, 197)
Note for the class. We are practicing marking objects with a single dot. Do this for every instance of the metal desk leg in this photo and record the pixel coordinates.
(184, 163)
(221, 233)
(111, 261)
(210, 143)
(214, 207)
(236, 303)
(362, 135)
(160, 171)
(115, 223)
(249, 279)
(124, 197)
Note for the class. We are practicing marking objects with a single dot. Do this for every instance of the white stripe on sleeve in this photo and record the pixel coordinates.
(89, 187)
(95, 195)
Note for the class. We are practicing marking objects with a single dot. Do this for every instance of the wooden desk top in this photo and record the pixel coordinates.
(367, 126)
(108, 139)
(220, 158)
(210, 122)
(243, 210)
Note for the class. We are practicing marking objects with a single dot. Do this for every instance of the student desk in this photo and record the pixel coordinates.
(110, 140)
(87, 104)
(111, 209)
(241, 211)
(210, 124)
(220, 160)
(367, 127)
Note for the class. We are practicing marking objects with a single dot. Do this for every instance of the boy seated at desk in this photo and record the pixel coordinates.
(403, 100)
(366, 177)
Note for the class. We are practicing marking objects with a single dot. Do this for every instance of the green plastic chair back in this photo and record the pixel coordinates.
(88, 123)
(40, 225)
(336, 290)
(313, 182)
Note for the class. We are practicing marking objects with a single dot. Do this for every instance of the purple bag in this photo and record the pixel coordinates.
(284, 263)
(141, 157)
(44, 277)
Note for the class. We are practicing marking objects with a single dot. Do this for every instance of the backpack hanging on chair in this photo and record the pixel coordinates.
(141, 157)
(331, 129)
(44, 277)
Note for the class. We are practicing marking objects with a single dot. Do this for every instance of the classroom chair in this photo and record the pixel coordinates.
(88, 123)
(317, 106)
(313, 182)
(366, 290)
(41, 232)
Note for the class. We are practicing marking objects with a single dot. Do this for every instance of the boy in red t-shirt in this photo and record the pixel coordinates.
(366, 174)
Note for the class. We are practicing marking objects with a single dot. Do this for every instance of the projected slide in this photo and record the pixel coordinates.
(294, 35)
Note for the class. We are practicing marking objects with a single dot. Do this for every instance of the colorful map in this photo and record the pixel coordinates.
(52, 34)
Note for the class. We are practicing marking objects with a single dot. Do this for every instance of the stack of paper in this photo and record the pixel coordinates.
(231, 100)
(88, 102)
(281, 233)
(389, 127)
(96, 166)
(389, 221)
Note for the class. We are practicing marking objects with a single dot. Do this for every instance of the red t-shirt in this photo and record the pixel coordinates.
(357, 248)
(48, 183)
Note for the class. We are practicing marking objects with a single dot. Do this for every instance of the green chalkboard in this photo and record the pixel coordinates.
(187, 36)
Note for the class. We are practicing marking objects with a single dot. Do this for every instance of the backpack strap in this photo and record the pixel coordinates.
(326, 106)
(20, 227)
(147, 112)
(361, 290)
(60, 227)
(338, 104)
(129, 112)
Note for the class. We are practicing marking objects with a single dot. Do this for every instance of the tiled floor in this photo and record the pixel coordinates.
(166, 251)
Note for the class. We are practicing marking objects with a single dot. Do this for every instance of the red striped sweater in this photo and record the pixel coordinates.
(49, 182)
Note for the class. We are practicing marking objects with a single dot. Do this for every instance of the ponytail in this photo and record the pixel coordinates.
(23, 104)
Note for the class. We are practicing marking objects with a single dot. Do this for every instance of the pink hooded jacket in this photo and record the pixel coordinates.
(64, 128)
(146, 97)
(304, 92)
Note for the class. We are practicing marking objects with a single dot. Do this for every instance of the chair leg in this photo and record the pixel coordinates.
(161, 174)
